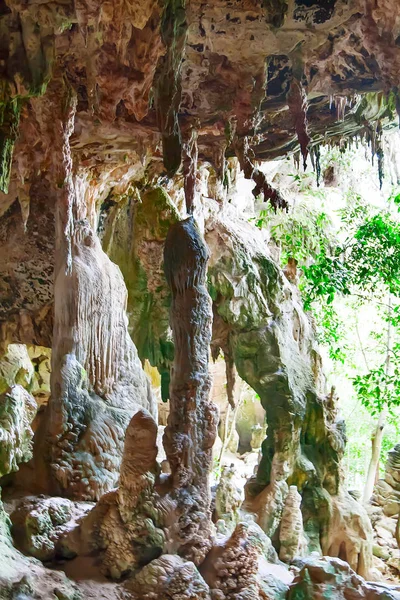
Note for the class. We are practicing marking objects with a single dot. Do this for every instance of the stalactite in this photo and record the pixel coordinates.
(297, 102)
(191, 430)
(317, 159)
(190, 155)
(168, 87)
(10, 110)
(341, 103)
(380, 154)
(245, 156)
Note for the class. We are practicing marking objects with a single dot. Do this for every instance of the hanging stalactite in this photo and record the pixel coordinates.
(168, 87)
(297, 102)
(245, 156)
(189, 163)
(10, 110)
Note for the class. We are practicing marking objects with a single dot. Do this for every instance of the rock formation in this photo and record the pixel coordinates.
(384, 510)
(273, 348)
(228, 498)
(21, 577)
(291, 537)
(17, 411)
(191, 429)
(97, 378)
(321, 576)
(123, 526)
(123, 126)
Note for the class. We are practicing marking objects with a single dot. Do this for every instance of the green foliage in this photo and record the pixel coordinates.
(367, 262)
(302, 233)
(379, 389)
(330, 331)
(349, 259)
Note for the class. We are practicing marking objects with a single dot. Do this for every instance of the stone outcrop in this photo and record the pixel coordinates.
(39, 524)
(384, 510)
(319, 577)
(272, 343)
(16, 367)
(124, 526)
(21, 577)
(291, 533)
(168, 577)
(228, 497)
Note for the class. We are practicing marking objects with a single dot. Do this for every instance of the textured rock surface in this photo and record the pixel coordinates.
(384, 510)
(168, 577)
(291, 535)
(192, 422)
(123, 526)
(328, 577)
(21, 577)
(17, 411)
(135, 229)
(235, 567)
(100, 105)
(40, 523)
(97, 378)
(16, 367)
(228, 497)
(272, 344)
(220, 71)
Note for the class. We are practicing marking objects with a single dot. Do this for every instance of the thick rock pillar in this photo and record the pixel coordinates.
(191, 429)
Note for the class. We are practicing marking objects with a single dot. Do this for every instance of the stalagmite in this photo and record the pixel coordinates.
(291, 536)
(191, 430)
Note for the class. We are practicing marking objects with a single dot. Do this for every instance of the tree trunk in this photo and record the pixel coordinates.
(376, 440)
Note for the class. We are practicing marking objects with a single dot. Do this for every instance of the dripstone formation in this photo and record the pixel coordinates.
(127, 131)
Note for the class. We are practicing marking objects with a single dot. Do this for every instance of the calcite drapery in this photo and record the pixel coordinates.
(97, 382)
(191, 429)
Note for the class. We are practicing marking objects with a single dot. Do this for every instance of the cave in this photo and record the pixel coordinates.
(171, 177)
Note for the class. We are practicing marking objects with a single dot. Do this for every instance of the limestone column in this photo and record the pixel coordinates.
(191, 429)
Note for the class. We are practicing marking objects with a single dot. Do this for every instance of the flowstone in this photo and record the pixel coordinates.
(17, 411)
(97, 380)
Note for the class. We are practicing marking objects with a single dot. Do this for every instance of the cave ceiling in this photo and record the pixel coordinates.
(154, 82)
(144, 70)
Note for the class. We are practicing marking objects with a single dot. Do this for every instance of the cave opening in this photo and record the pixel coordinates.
(199, 300)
